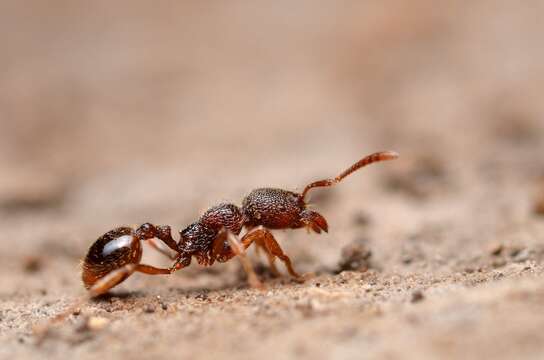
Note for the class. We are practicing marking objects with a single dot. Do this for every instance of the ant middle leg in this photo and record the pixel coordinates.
(152, 270)
(161, 249)
(239, 249)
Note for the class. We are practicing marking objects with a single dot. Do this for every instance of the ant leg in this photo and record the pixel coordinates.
(271, 258)
(218, 246)
(110, 280)
(164, 233)
(182, 261)
(239, 249)
(160, 248)
(104, 284)
(151, 270)
(224, 255)
(274, 249)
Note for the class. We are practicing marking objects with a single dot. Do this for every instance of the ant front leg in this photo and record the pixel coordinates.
(161, 249)
(271, 258)
(272, 247)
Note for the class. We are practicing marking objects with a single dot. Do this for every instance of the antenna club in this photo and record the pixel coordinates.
(389, 155)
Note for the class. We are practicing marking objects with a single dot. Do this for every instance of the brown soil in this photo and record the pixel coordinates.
(121, 113)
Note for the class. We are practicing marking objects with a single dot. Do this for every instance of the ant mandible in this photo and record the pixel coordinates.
(214, 237)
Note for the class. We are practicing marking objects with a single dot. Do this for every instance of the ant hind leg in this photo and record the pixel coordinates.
(104, 284)
(101, 286)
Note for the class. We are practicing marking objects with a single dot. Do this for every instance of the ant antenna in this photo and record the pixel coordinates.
(367, 160)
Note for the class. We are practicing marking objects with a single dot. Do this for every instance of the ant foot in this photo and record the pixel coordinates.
(304, 277)
(255, 282)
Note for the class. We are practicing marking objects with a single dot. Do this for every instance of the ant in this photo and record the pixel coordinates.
(116, 255)
(214, 236)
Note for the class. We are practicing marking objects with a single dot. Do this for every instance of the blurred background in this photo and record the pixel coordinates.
(123, 112)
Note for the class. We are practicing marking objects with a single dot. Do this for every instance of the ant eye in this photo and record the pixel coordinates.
(111, 252)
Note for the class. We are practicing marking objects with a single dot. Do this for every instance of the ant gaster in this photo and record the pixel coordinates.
(213, 237)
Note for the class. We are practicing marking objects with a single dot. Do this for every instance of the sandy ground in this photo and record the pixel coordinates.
(134, 112)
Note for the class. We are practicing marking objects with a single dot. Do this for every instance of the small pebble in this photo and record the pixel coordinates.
(417, 296)
(515, 250)
(149, 309)
(496, 249)
(355, 256)
(97, 323)
(497, 263)
(32, 264)
(93, 323)
(361, 219)
(538, 207)
(498, 276)
(522, 256)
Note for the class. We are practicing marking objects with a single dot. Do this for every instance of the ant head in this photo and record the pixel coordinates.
(112, 251)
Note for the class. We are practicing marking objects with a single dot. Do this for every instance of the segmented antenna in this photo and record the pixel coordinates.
(376, 157)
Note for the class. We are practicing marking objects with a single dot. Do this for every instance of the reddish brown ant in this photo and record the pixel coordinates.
(213, 237)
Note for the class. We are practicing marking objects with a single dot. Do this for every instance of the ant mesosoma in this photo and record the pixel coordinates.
(214, 237)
